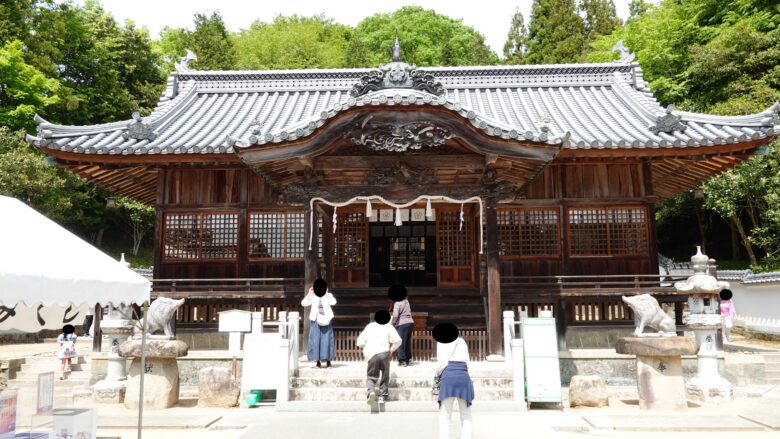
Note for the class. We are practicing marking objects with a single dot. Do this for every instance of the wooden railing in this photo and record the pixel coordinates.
(591, 283)
(423, 345)
(232, 288)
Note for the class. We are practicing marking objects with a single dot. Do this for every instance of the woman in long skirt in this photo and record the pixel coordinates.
(321, 342)
(452, 354)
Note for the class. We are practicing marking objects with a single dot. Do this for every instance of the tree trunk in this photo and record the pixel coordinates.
(745, 240)
(99, 238)
(700, 223)
(735, 253)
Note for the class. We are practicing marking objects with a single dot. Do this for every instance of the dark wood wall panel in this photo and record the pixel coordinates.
(197, 270)
(588, 180)
(214, 187)
(613, 265)
(531, 267)
(275, 269)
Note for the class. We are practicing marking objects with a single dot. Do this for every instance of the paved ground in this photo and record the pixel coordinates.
(754, 414)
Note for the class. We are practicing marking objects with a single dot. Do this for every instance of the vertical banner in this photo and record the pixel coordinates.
(7, 414)
(45, 393)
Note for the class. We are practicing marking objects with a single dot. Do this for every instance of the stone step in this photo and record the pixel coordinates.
(32, 384)
(47, 359)
(422, 370)
(396, 394)
(772, 367)
(33, 376)
(404, 383)
(53, 367)
(772, 358)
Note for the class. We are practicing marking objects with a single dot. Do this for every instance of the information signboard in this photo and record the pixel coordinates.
(45, 393)
(7, 414)
(542, 369)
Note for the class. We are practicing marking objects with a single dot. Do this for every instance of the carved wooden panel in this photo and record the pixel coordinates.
(201, 236)
(599, 231)
(350, 239)
(456, 246)
(276, 235)
(528, 233)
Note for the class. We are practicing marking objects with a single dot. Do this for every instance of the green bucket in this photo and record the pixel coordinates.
(254, 397)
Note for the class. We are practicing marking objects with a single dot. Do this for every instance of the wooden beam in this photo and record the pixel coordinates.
(455, 161)
(310, 263)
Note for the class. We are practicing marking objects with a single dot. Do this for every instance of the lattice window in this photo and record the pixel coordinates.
(276, 235)
(528, 232)
(349, 249)
(192, 236)
(454, 244)
(608, 231)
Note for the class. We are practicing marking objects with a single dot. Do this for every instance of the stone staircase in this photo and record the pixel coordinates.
(347, 381)
(77, 384)
(772, 368)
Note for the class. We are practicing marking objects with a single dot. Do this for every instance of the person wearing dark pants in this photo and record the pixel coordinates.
(403, 322)
(88, 322)
(378, 340)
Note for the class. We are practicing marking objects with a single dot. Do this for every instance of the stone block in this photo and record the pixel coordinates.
(154, 348)
(660, 383)
(217, 388)
(109, 392)
(161, 383)
(657, 346)
(587, 391)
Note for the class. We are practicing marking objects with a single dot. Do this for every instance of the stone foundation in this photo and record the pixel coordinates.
(161, 383)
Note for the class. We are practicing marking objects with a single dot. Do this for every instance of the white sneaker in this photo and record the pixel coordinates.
(381, 399)
(371, 398)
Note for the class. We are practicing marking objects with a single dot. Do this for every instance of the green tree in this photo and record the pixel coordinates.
(600, 18)
(427, 39)
(636, 8)
(718, 57)
(23, 89)
(212, 44)
(555, 33)
(515, 45)
(293, 42)
(138, 218)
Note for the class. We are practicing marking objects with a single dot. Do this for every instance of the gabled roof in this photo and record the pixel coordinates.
(578, 107)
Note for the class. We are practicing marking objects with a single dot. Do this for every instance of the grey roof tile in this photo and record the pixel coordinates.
(604, 106)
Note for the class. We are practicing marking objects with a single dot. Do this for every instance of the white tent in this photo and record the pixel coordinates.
(43, 263)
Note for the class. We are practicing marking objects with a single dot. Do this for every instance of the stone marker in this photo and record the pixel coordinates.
(659, 369)
(217, 388)
(161, 381)
(587, 391)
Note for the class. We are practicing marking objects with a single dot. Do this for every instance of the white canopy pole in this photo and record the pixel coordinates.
(143, 371)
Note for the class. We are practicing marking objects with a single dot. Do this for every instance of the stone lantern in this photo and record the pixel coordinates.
(704, 320)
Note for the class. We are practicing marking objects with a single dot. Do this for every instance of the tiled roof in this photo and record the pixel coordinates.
(748, 277)
(579, 106)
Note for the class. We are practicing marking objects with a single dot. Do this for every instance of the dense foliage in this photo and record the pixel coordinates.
(721, 57)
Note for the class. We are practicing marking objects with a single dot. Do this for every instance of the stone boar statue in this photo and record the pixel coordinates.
(648, 313)
(161, 314)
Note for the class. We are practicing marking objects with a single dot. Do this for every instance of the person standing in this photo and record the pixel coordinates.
(728, 313)
(402, 321)
(378, 340)
(321, 342)
(452, 355)
(67, 350)
(88, 321)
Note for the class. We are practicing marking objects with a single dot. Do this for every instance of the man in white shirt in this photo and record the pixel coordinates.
(378, 340)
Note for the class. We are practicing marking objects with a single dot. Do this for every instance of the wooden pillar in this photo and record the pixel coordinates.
(495, 340)
(327, 242)
(97, 334)
(560, 322)
(310, 263)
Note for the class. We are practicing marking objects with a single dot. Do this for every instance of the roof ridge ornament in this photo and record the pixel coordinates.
(138, 129)
(397, 74)
(394, 137)
(626, 55)
(184, 64)
(668, 122)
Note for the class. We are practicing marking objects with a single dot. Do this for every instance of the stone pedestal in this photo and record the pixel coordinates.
(660, 380)
(708, 386)
(112, 389)
(161, 380)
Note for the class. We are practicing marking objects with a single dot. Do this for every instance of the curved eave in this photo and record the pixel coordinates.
(482, 138)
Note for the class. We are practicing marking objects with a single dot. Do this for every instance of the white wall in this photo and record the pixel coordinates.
(757, 306)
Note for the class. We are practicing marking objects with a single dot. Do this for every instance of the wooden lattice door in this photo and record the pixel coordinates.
(350, 264)
(456, 246)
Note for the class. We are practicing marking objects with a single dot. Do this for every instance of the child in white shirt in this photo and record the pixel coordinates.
(378, 340)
